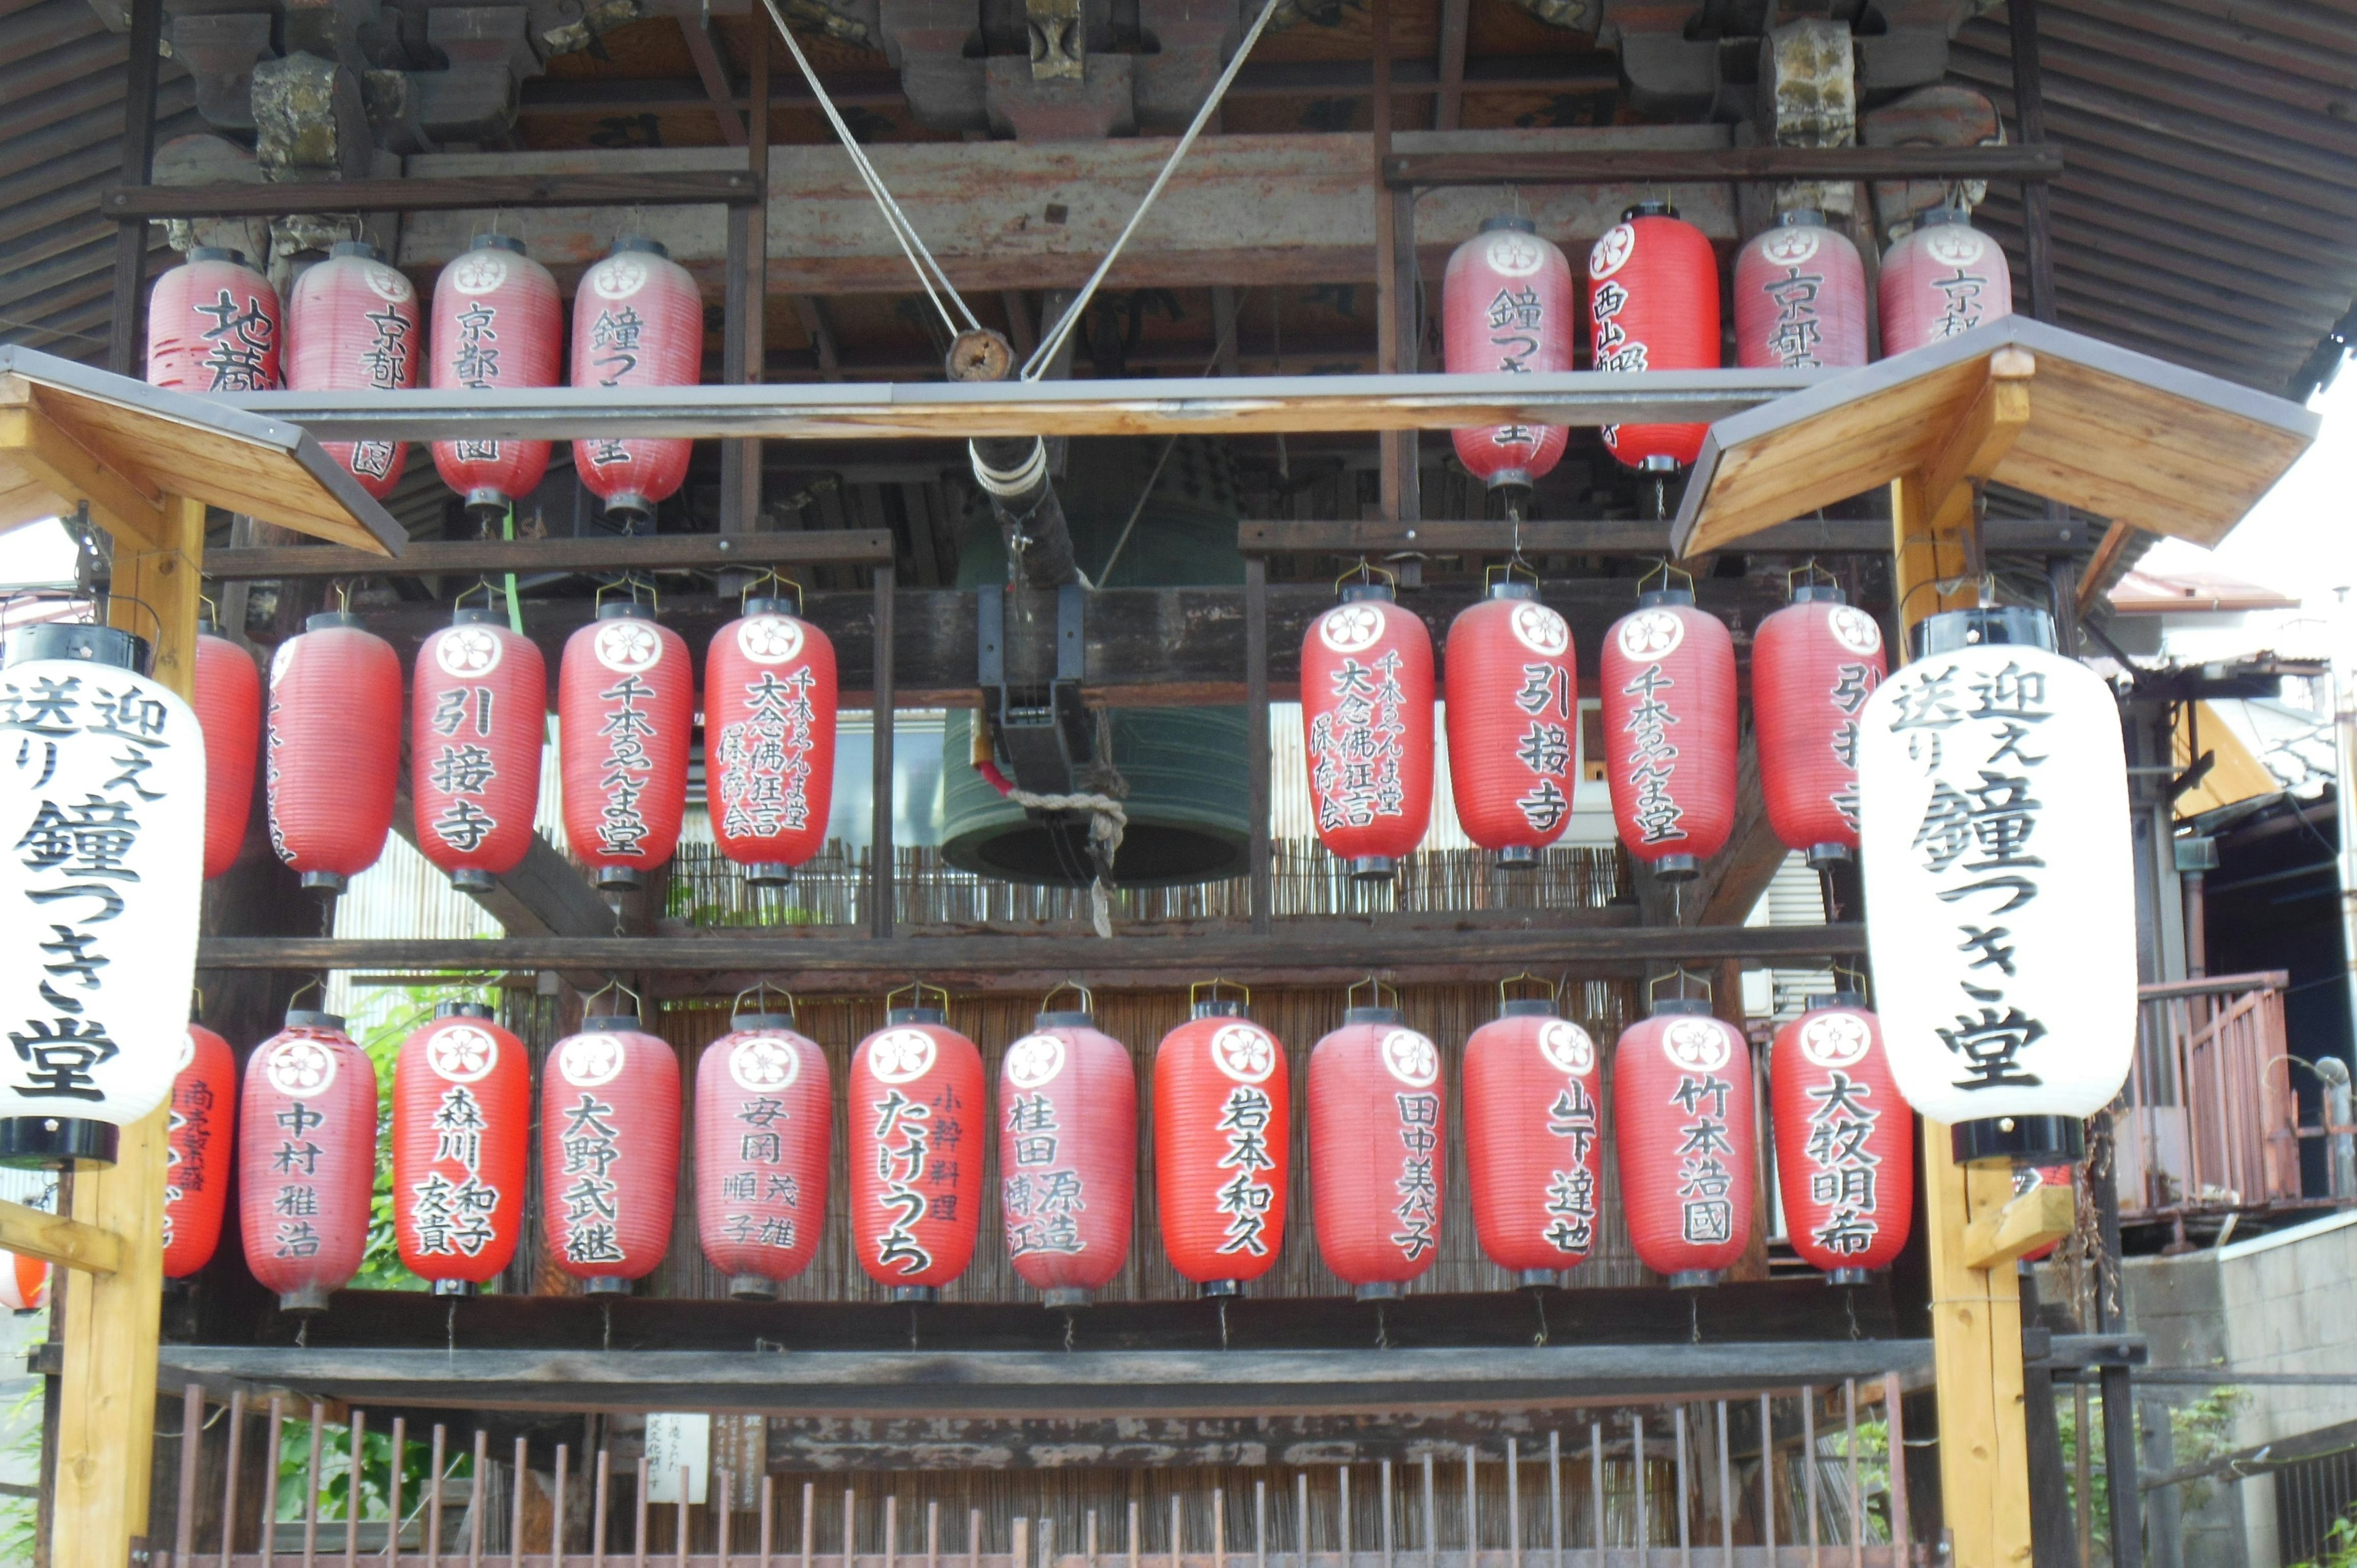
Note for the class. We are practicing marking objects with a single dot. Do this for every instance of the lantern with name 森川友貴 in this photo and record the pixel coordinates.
(213, 326)
(1533, 1139)
(1941, 278)
(478, 716)
(625, 713)
(200, 1140)
(331, 750)
(1814, 665)
(461, 1148)
(1652, 304)
(1684, 1136)
(916, 1113)
(228, 701)
(1668, 683)
(1800, 297)
(1508, 303)
(1512, 687)
(1222, 1144)
(1378, 1155)
(1366, 725)
(351, 326)
(1999, 884)
(637, 323)
(769, 739)
(307, 1159)
(1067, 1154)
(764, 1135)
(499, 325)
(610, 1103)
(1845, 1140)
(104, 805)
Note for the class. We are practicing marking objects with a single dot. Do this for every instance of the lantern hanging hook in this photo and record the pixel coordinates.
(758, 990)
(1680, 975)
(114, 594)
(770, 575)
(1539, 1338)
(482, 582)
(1513, 565)
(196, 1003)
(916, 989)
(1213, 985)
(1662, 564)
(1088, 1000)
(312, 983)
(614, 983)
(1854, 971)
(1375, 989)
(344, 596)
(1554, 992)
(631, 582)
(1366, 571)
(1809, 571)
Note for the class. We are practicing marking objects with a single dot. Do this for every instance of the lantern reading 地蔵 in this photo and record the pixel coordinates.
(1512, 684)
(917, 1114)
(461, 1147)
(1800, 297)
(1845, 1140)
(1534, 1139)
(1067, 1155)
(769, 739)
(213, 326)
(625, 710)
(1507, 304)
(498, 324)
(1222, 1147)
(1683, 1134)
(1366, 722)
(1668, 681)
(609, 1152)
(1378, 1161)
(477, 716)
(307, 1159)
(1813, 664)
(200, 1137)
(331, 750)
(764, 1133)
(1652, 304)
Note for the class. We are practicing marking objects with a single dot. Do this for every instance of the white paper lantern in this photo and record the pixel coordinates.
(101, 861)
(2000, 895)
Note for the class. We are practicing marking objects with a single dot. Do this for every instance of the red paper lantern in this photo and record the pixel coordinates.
(499, 323)
(1800, 297)
(1668, 679)
(1534, 1139)
(461, 1138)
(1507, 304)
(1813, 664)
(1222, 1147)
(201, 1136)
(916, 1092)
(477, 712)
(1513, 722)
(769, 739)
(626, 709)
(23, 1282)
(764, 1133)
(1652, 304)
(333, 748)
(1845, 1140)
(212, 326)
(351, 326)
(307, 1159)
(1943, 278)
(228, 701)
(1378, 1164)
(608, 1153)
(638, 322)
(1366, 721)
(1067, 1155)
(1684, 1134)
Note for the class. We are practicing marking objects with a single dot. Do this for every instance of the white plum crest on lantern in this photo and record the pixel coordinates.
(298, 1068)
(1034, 1060)
(1540, 629)
(589, 1061)
(1854, 629)
(1611, 252)
(468, 650)
(1651, 634)
(479, 272)
(1835, 1039)
(1351, 628)
(627, 647)
(763, 1063)
(770, 640)
(1566, 1046)
(1244, 1053)
(386, 283)
(1955, 246)
(1790, 247)
(617, 278)
(1696, 1046)
(462, 1053)
(902, 1056)
(1515, 256)
(1411, 1058)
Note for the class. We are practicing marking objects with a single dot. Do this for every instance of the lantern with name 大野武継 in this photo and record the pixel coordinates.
(1222, 1145)
(764, 1135)
(917, 1112)
(1845, 1140)
(1512, 685)
(1366, 723)
(1533, 1139)
(1800, 297)
(610, 1105)
(1668, 682)
(1684, 1135)
(351, 326)
(461, 1148)
(307, 1159)
(1378, 1157)
(200, 1136)
(1507, 304)
(1814, 665)
(478, 717)
(331, 750)
(625, 713)
(1067, 1154)
(499, 325)
(769, 739)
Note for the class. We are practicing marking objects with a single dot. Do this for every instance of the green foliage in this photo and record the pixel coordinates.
(1873, 1472)
(20, 1517)
(2199, 1432)
(336, 1473)
(2340, 1545)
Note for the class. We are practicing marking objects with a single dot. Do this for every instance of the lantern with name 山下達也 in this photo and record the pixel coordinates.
(461, 1146)
(478, 716)
(625, 710)
(1813, 664)
(1067, 1154)
(917, 1112)
(610, 1105)
(1366, 722)
(1512, 684)
(331, 750)
(1378, 1164)
(1507, 304)
(1533, 1139)
(764, 1133)
(1222, 1144)
(498, 324)
(1684, 1135)
(307, 1159)
(769, 729)
(1845, 1140)
(1668, 682)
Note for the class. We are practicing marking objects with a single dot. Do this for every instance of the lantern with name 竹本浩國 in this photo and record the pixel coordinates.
(1534, 1139)
(1366, 725)
(917, 1114)
(461, 1148)
(1378, 1157)
(764, 1135)
(1845, 1140)
(1067, 1154)
(1222, 1145)
(1684, 1136)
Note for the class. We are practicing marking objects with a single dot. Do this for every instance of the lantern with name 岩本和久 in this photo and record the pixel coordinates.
(1378, 1160)
(625, 710)
(228, 703)
(1845, 1140)
(1513, 722)
(769, 729)
(1683, 1134)
(917, 1113)
(1067, 1154)
(213, 326)
(1652, 304)
(609, 1106)
(1813, 664)
(351, 326)
(477, 715)
(638, 322)
(1533, 1139)
(461, 1143)
(1800, 297)
(498, 324)
(1222, 1145)
(332, 753)
(1668, 682)
(1507, 304)
(1942, 278)
(201, 1136)
(1366, 722)
(764, 1133)
(307, 1159)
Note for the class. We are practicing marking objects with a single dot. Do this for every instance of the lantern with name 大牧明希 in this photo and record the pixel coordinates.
(1684, 1136)
(638, 322)
(461, 1148)
(1800, 297)
(1942, 278)
(769, 739)
(1668, 682)
(609, 1106)
(307, 1159)
(1378, 1155)
(200, 1139)
(351, 326)
(625, 711)
(764, 1135)
(1652, 304)
(1067, 1154)
(1222, 1145)
(1507, 304)
(1533, 1139)
(498, 324)
(331, 750)
(478, 716)
(1845, 1140)
(228, 701)
(213, 326)
(1366, 723)
(1512, 685)
(1814, 665)
(918, 1114)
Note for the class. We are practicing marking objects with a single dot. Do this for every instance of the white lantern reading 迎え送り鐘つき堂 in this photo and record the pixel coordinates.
(103, 807)
(1999, 892)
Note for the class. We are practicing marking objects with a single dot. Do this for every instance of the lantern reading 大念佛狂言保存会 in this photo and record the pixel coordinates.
(1367, 728)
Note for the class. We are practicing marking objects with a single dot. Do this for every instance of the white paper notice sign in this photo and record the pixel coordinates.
(677, 1442)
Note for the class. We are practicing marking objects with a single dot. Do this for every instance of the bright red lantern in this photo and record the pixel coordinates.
(1845, 1140)
(307, 1159)
(228, 701)
(1222, 1147)
(201, 1136)
(23, 1282)
(626, 709)
(769, 739)
(1652, 304)
(1943, 278)
(1685, 1132)
(1668, 679)
(332, 751)
(1507, 304)
(477, 712)
(916, 1092)
(461, 1139)
(638, 322)
(1513, 722)
(2030, 1179)
(1800, 297)
(212, 326)
(499, 323)
(1534, 1139)
(1813, 664)
(1366, 722)
(608, 1153)
(764, 1133)
(1067, 1155)
(351, 326)
(1378, 1165)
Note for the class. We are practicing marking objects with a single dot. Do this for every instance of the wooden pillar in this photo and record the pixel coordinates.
(744, 336)
(1394, 296)
(1256, 743)
(139, 165)
(2030, 114)
(879, 855)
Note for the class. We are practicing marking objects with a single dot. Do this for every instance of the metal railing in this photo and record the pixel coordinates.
(2208, 1123)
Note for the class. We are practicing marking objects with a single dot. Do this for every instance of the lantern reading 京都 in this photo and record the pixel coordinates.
(307, 1159)
(764, 1133)
(625, 710)
(1683, 1134)
(917, 1113)
(461, 1145)
(1668, 679)
(1813, 664)
(769, 728)
(609, 1151)
(499, 323)
(1534, 1139)
(201, 1136)
(1222, 1147)
(1513, 722)
(1800, 297)
(477, 713)
(1506, 305)
(1844, 1141)
(351, 326)
(1067, 1155)
(1943, 278)
(1377, 1165)
(1366, 722)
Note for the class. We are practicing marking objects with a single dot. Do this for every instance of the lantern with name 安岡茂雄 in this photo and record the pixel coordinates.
(764, 1135)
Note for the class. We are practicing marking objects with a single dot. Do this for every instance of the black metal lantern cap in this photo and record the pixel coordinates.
(476, 614)
(1818, 593)
(1527, 1007)
(1379, 1290)
(1654, 597)
(359, 248)
(487, 502)
(1821, 855)
(311, 1301)
(1354, 592)
(56, 1143)
(752, 1287)
(457, 1290)
(101, 645)
(742, 1022)
(329, 621)
(2020, 1140)
(473, 879)
(497, 243)
(217, 253)
(1064, 1298)
(1512, 588)
(326, 880)
(1818, 1003)
(1846, 1276)
(1509, 222)
(461, 1010)
(312, 1018)
(1371, 868)
(1518, 858)
(2012, 624)
(916, 1296)
(915, 1015)
(1220, 1290)
(768, 873)
(1064, 1021)
(1510, 479)
(1219, 1007)
(624, 609)
(1678, 867)
(641, 244)
(1647, 209)
(617, 879)
(606, 1284)
(1680, 1006)
(1799, 218)
(1370, 1016)
(610, 1022)
(769, 604)
(1537, 1279)
(1694, 1279)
